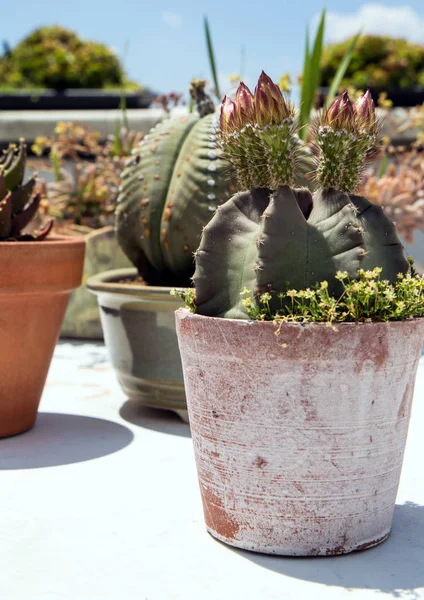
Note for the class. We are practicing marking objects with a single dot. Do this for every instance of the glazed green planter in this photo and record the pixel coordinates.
(82, 319)
(139, 331)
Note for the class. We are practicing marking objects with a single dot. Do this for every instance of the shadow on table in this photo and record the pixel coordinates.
(61, 439)
(395, 567)
(155, 419)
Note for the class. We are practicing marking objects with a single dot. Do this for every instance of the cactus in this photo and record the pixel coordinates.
(18, 204)
(172, 184)
(277, 235)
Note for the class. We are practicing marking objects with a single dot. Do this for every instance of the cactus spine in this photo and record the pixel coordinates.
(276, 235)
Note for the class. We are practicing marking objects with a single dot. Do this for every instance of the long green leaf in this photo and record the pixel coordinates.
(311, 75)
(315, 66)
(303, 115)
(383, 166)
(340, 73)
(211, 56)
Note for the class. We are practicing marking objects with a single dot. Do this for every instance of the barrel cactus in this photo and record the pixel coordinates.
(277, 235)
(171, 186)
(18, 203)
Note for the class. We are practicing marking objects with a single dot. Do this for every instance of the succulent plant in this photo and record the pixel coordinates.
(172, 184)
(18, 203)
(276, 235)
(377, 61)
(54, 57)
(400, 192)
(83, 192)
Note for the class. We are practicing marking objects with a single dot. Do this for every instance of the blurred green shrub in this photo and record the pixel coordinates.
(377, 62)
(55, 58)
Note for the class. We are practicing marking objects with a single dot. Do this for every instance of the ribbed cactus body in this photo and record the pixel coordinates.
(272, 241)
(171, 186)
(200, 182)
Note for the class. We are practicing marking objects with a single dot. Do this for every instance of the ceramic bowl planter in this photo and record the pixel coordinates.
(82, 319)
(139, 330)
(299, 437)
(36, 280)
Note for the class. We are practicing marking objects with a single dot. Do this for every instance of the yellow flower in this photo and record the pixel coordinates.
(284, 82)
(383, 101)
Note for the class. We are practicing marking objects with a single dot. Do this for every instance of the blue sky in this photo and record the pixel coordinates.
(165, 42)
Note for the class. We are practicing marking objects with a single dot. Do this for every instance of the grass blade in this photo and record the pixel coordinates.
(303, 115)
(315, 63)
(311, 76)
(211, 56)
(340, 73)
(383, 166)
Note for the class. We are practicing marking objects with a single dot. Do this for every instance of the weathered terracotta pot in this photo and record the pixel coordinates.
(299, 438)
(139, 331)
(102, 253)
(36, 279)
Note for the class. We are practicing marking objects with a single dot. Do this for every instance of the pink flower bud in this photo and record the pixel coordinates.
(277, 105)
(244, 99)
(340, 114)
(333, 112)
(346, 109)
(262, 107)
(227, 116)
(365, 110)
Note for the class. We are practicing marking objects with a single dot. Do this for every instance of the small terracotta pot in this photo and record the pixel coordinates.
(36, 279)
(298, 437)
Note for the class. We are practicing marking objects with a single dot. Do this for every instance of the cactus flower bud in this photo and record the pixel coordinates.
(346, 137)
(365, 111)
(245, 102)
(262, 107)
(277, 107)
(256, 135)
(340, 115)
(272, 90)
(333, 112)
(227, 117)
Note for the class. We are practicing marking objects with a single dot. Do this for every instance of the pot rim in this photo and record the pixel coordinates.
(52, 241)
(184, 313)
(106, 283)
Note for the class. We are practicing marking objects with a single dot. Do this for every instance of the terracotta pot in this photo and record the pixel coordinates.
(139, 331)
(102, 253)
(36, 279)
(299, 438)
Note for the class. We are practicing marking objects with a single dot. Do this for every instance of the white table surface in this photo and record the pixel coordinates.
(100, 501)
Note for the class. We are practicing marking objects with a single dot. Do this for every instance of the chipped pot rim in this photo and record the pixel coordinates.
(184, 313)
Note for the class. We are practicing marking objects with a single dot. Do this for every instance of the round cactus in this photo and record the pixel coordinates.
(172, 185)
(277, 235)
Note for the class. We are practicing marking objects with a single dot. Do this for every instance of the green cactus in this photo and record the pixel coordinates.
(18, 204)
(277, 236)
(172, 184)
